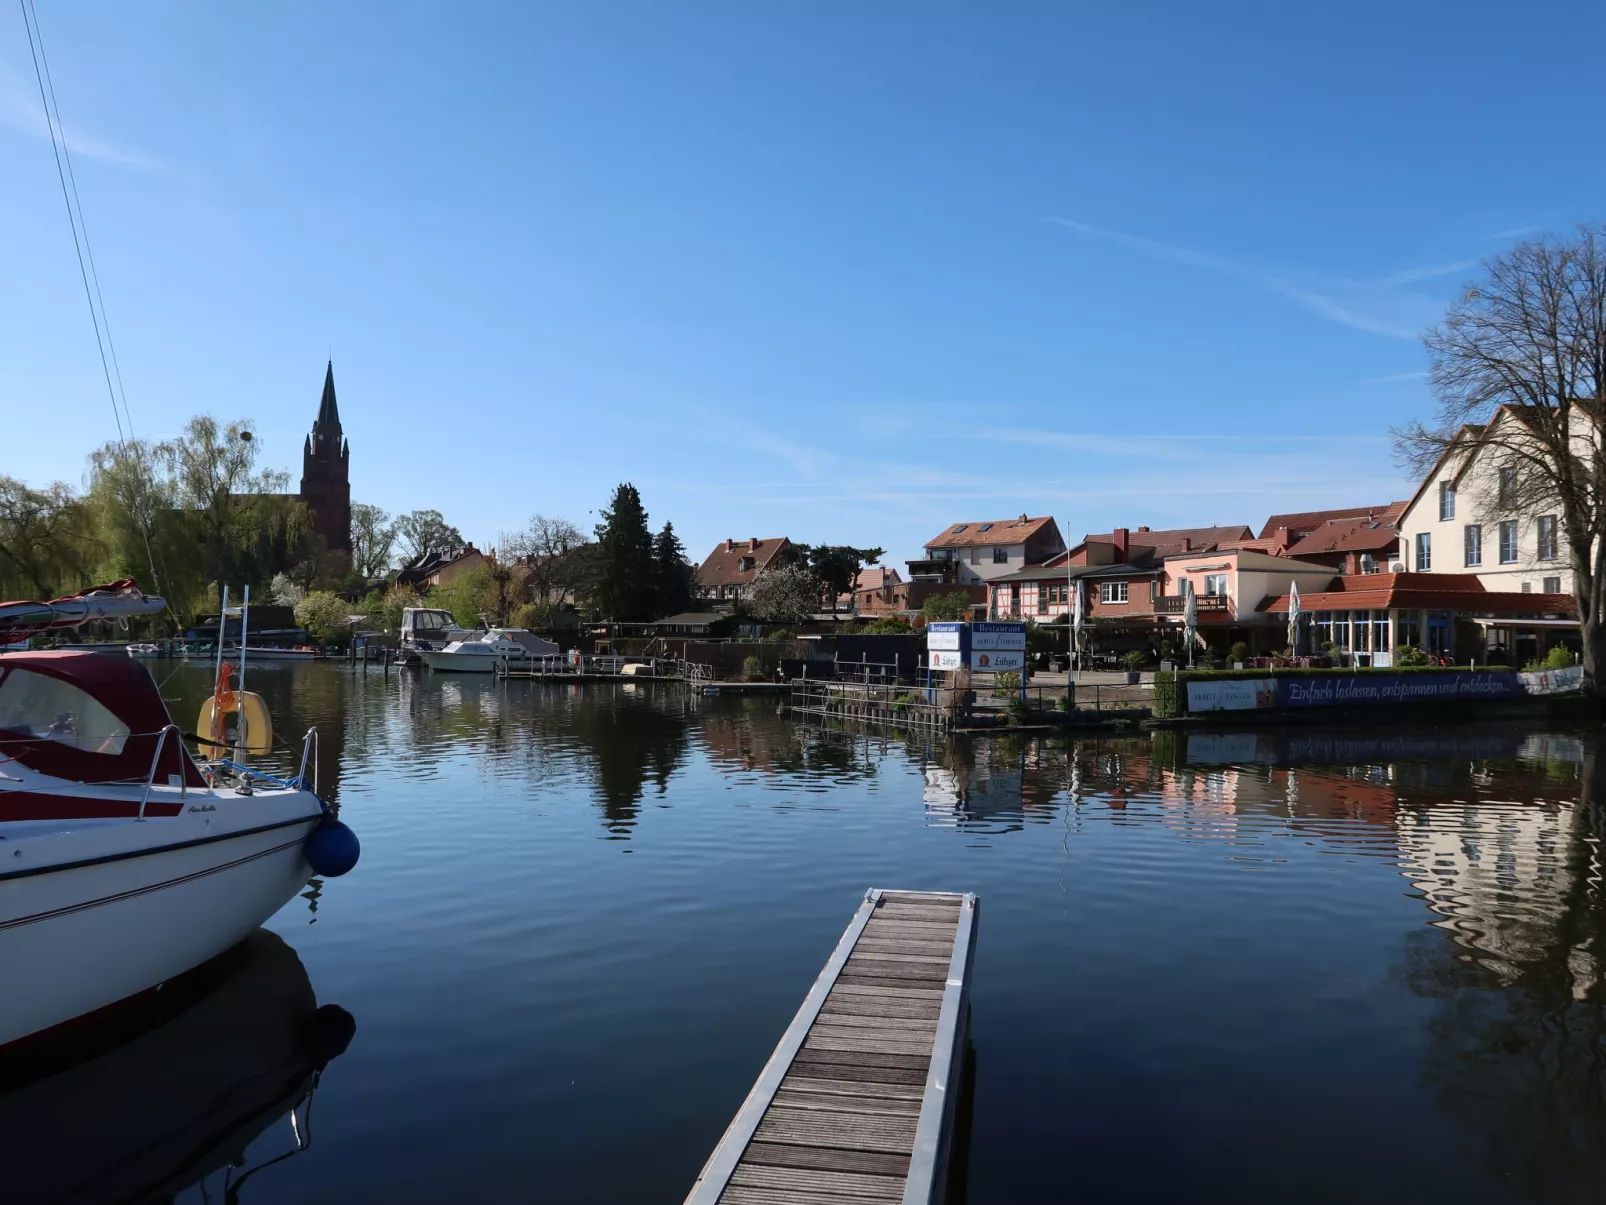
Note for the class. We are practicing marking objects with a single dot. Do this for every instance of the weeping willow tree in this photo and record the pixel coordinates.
(49, 543)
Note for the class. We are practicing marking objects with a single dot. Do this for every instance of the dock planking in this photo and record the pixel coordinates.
(856, 1106)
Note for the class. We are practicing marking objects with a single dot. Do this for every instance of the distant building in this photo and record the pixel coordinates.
(440, 568)
(728, 572)
(973, 553)
(326, 476)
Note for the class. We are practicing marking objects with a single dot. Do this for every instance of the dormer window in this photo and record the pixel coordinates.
(745, 565)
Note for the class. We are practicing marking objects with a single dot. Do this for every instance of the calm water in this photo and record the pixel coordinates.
(1211, 968)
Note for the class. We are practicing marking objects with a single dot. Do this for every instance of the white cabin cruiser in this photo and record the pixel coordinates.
(122, 864)
(485, 652)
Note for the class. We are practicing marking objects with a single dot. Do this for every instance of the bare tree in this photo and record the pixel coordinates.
(1519, 367)
(373, 536)
(422, 531)
(549, 551)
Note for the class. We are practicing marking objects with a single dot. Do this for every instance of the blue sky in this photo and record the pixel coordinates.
(846, 272)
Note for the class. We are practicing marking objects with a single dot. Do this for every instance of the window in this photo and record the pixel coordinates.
(1552, 585)
(975, 556)
(1424, 552)
(1547, 537)
(744, 564)
(1112, 592)
(1000, 556)
(959, 527)
(1216, 584)
(59, 712)
(1472, 538)
(1508, 542)
(1508, 486)
(1042, 599)
(1446, 500)
(985, 527)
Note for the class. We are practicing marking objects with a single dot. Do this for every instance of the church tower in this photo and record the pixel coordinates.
(326, 474)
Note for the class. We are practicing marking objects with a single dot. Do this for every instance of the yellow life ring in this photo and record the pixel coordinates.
(219, 733)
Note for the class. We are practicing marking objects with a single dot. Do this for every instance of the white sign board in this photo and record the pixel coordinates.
(1232, 694)
(942, 640)
(992, 661)
(947, 659)
(1552, 681)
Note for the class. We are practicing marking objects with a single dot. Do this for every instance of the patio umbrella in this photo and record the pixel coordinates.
(1076, 622)
(1190, 617)
(1293, 618)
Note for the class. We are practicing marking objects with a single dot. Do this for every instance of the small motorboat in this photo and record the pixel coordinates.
(145, 649)
(124, 862)
(485, 652)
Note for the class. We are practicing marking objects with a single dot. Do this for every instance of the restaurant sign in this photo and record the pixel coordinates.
(987, 648)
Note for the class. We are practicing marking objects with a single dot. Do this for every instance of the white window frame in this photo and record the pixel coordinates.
(1547, 538)
(1210, 581)
(1472, 545)
(1113, 592)
(1548, 583)
(1508, 528)
(1424, 552)
(1446, 501)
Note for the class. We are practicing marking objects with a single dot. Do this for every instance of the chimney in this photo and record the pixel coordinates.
(1121, 542)
(1023, 518)
(752, 543)
(1187, 544)
(1143, 529)
(730, 545)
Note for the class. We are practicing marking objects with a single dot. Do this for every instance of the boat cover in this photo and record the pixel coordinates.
(124, 687)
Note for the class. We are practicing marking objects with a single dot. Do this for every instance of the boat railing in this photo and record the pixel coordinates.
(183, 780)
(309, 747)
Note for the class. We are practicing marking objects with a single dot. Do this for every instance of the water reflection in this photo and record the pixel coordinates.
(144, 1115)
(1401, 929)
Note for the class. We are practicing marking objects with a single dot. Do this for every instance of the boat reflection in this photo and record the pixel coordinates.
(236, 1048)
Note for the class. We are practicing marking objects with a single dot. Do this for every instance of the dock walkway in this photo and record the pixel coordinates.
(857, 1104)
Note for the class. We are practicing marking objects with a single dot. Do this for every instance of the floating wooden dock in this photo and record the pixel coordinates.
(857, 1104)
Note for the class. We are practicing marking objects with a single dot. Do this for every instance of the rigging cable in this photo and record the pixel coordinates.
(80, 238)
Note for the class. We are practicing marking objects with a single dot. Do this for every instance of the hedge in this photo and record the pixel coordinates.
(1171, 700)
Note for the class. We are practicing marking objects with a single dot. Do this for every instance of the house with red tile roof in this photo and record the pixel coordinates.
(975, 552)
(728, 572)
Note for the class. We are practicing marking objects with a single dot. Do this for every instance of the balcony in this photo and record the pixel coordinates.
(1207, 604)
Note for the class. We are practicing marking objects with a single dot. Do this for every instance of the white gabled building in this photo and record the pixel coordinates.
(1471, 515)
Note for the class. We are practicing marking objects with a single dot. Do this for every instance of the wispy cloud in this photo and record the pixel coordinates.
(1395, 376)
(1378, 307)
(20, 110)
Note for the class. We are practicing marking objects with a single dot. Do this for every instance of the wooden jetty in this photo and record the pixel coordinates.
(857, 1104)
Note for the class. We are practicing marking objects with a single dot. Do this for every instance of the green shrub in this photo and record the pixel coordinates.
(891, 625)
(1166, 693)
(1238, 652)
(1017, 710)
(752, 669)
(1006, 684)
(780, 636)
(1407, 656)
(1558, 658)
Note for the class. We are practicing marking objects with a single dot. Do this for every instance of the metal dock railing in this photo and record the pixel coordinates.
(859, 1100)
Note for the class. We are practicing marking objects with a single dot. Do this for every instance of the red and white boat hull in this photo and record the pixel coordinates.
(96, 909)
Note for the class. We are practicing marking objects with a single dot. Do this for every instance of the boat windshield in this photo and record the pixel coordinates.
(50, 709)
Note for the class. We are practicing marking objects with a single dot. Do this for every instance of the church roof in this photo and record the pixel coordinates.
(328, 411)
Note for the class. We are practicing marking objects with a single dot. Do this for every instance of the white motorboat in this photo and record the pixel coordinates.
(484, 653)
(122, 865)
